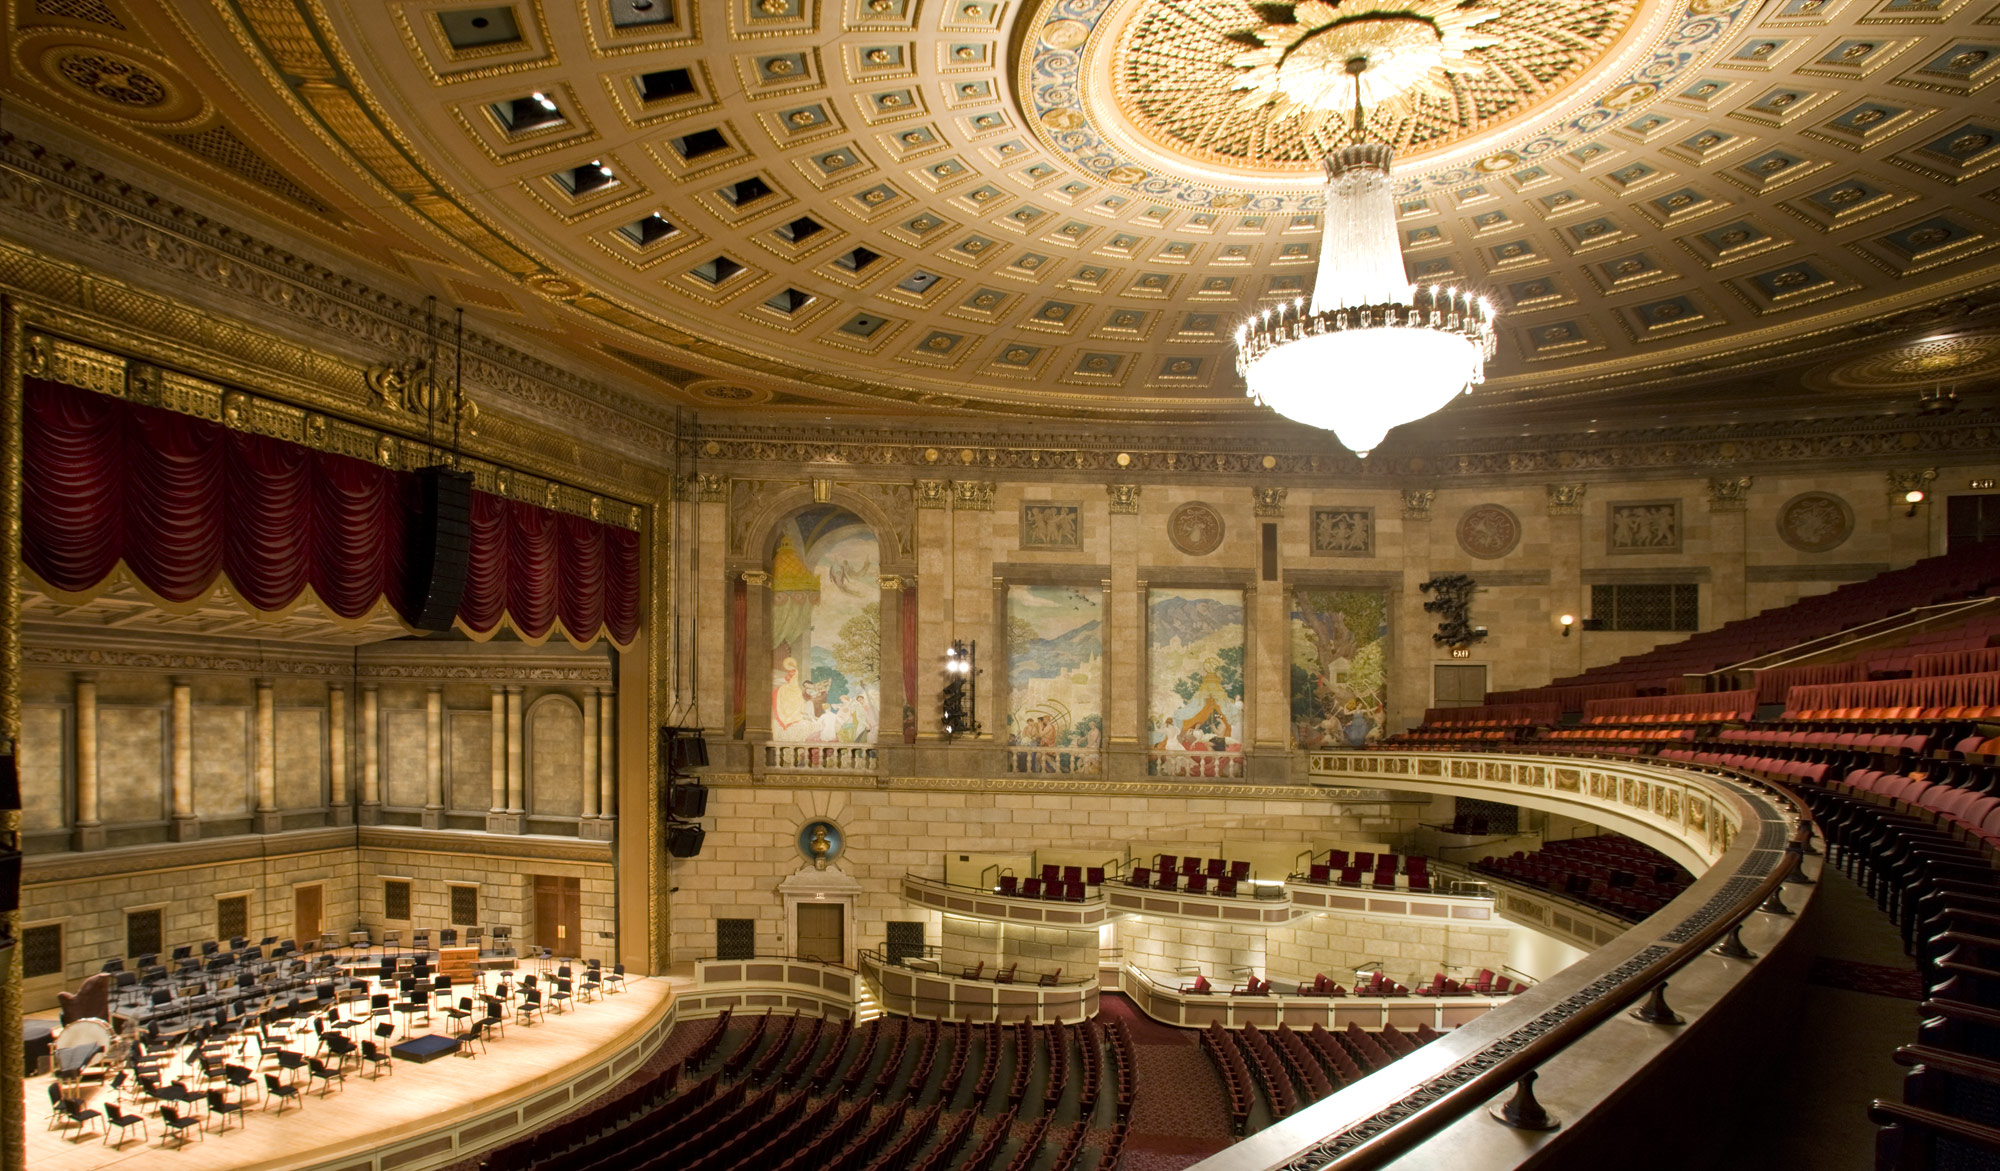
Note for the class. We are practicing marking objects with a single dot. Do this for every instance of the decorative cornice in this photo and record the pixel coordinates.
(101, 659)
(1566, 499)
(972, 495)
(1014, 784)
(933, 494)
(1124, 499)
(1417, 503)
(1729, 493)
(61, 195)
(1268, 501)
(490, 673)
(756, 577)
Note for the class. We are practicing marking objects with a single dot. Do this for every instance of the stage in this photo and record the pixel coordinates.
(422, 1114)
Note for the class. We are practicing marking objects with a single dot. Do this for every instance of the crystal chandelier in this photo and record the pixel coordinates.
(1372, 351)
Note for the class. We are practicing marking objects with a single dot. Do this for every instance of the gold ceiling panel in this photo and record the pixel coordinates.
(878, 201)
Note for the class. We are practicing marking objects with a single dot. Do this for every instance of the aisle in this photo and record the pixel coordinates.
(1857, 1005)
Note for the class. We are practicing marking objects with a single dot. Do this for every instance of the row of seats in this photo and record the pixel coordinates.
(1612, 873)
(1911, 742)
(1294, 1069)
(1227, 886)
(794, 1092)
(1925, 849)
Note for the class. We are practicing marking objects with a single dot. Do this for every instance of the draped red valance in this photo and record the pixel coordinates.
(181, 500)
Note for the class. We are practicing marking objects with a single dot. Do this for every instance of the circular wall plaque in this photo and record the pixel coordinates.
(820, 842)
(1814, 522)
(1488, 531)
(1195, 528)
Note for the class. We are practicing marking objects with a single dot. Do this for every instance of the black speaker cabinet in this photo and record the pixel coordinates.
(684, 841)
(440, 543)
(688, 801)
(682, 748)
(10, 782)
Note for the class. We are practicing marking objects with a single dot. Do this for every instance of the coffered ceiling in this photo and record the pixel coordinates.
(1062, 208)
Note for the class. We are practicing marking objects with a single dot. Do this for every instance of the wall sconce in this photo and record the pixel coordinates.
(1914, 497)
(1568, 622)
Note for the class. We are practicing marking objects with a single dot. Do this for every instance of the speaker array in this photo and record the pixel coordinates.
(440, 545)
(682, 750)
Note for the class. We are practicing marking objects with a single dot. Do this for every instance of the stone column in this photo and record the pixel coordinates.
(1565, 596)
(517, 805)
(1124, 638)
(1412, 653)
(607, 755)
(269, 821)
(933, 499)
(757, 661)
(89, 829)
(889, 615)
(710, 637)
(1728, 550)
(972, 588)
(1268, 635)
(371, 755)
(591, 752)
(497, 752)
(434, 757)
(184, 827)
(341, 805)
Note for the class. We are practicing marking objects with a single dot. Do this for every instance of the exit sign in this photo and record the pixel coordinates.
(1461, 652)
(1977, 484)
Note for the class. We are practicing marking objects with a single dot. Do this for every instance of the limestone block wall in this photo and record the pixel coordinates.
(753, 828)
(1568, 534)
(505, 882)
(296, 719)
(1036, 950)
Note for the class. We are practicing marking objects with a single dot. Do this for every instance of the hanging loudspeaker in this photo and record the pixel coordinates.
(440, 543)
(684, 841)
(688, 801)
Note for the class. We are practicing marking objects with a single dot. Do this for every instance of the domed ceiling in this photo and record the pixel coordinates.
(1062, 208)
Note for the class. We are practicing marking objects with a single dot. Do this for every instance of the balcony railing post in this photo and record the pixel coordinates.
(1776, 903)
(1732, 948)
(1522, 1111)
(1798, 875)
(1656, 1011)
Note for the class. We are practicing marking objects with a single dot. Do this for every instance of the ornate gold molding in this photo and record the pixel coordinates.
(1124, 499)
(1268, 501)
(972, 495)
(1566, 499)
(933, 494)
(1728, 493)
(1417, 503)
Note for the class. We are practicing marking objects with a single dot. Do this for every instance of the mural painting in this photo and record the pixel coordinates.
(1194, 641)
(1340, 645)
(826, 630)
(1055, 670)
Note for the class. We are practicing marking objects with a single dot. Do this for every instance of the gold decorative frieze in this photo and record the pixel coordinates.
(972, 495)
(1124, 499)
(412, 387)
(933, 494)
(1565, 499)
(1728, 493)
(1268, 501)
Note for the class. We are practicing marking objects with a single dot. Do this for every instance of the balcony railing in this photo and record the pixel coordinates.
(1226, 765)
(821, 758)
(1081, 762)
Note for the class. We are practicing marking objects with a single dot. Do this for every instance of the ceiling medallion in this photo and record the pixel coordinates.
(1413, 49)
(1223, 103)
(1927, 362)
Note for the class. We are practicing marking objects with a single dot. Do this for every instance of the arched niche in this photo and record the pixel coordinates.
(554, 733)
(823, 652)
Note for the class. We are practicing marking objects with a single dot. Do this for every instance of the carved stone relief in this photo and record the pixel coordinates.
(1195, 528)
(1643, 526)
(1343, 531)
(1488, 532)
(1815, 522)
(1050, 525)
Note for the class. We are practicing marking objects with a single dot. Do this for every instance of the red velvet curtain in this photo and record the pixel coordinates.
(181, 500)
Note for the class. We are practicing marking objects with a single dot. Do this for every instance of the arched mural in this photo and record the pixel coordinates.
(826, 629)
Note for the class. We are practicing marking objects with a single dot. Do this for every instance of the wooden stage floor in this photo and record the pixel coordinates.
(369, 1111)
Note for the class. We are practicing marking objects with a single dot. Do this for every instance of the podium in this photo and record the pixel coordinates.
(458, 963)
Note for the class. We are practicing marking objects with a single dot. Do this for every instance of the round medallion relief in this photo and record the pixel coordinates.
(1814, 522)
(116, 79)
(1488, 532)
(1195, 528)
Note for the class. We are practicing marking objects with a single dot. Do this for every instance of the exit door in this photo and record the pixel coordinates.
(558, 913)
(821, 935)
(307, 904)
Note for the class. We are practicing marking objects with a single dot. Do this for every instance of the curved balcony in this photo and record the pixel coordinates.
(1566, 1041)
(1160, 997)
(774, 983)
(976, 902)
(929, 993)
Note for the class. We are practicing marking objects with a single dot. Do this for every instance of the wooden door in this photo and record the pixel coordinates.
(558, 914)
(821, 935)
(306, 908)
(1458, 684)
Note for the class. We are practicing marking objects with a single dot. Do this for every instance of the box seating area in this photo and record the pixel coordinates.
(1960, 574)
(1923, 840)
(1219, 876)
(1286, 1069)
(1363, 868)
(1612, 873)
(790, 1092)
(1054, 884)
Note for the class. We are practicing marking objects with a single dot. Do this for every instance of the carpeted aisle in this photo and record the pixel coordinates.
(1178, 1113)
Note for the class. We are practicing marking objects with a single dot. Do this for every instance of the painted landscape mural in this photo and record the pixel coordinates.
(1194, 640)
(1055, 670)
(1340, 644)
(826, 630)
